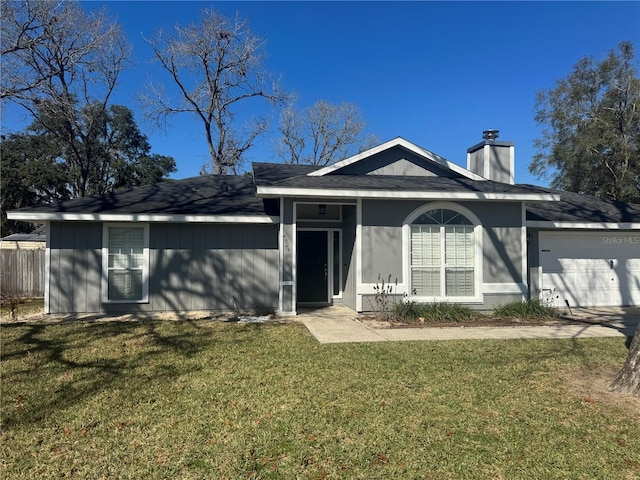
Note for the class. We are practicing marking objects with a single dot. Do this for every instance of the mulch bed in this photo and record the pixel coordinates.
(373, 322)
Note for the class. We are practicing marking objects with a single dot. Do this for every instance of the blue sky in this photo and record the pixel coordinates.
(435, 73)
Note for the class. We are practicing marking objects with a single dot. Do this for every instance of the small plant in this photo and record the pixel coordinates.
(529, 309)
(384, 298)
(11, 303)
(549, 298)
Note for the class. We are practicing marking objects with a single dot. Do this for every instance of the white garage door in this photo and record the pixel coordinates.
(591, 269)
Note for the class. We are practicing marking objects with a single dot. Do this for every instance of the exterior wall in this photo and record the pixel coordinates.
(191, 267)
(533, 265)
(502, 262)
(213, 266)
(75, 270)
(382, 239)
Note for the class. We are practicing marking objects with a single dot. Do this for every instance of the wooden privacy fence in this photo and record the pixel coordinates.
(22, 272)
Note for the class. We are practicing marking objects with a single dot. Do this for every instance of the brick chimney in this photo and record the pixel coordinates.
(492, 159)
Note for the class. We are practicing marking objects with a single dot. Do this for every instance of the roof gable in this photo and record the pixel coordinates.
(397, 157)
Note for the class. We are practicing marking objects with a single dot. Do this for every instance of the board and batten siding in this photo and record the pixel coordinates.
(75, 267)
(191, 267)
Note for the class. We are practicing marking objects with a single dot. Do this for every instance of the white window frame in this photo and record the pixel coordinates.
(105, 261)
(477, 297)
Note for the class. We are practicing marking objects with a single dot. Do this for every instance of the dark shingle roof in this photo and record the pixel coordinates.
(25, 237)
(575, 207)
(236, 195)
(295, 176)
(204, 195)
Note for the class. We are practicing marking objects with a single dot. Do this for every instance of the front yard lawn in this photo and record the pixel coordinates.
(206, 399)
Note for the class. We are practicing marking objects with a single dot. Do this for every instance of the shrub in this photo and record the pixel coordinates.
(524, 310)
(411, 312)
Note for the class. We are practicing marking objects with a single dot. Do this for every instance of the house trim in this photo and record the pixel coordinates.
(294, 260)
(401, 142)
(330, 258)
(404, 195)
(47, 270)
(358, 255)
(585, 225)
(478, 232)
(505, 288)
(135, 217)
(524, 252)
(281, 260)
(105, 263)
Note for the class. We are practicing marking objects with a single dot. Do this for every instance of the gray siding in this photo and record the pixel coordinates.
(382, 247)
(492, 160)
(501, 164)
(396, 161)
(76, 266)
(503, 257)
(502, 239)
(191, 267)
(533, 256)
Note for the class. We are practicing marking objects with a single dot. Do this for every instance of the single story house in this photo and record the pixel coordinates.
(290, 236)
(25, 241)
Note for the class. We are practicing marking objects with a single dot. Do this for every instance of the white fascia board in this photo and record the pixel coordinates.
(399, 141)
(585, 225)
(404, 195)
(135, 217)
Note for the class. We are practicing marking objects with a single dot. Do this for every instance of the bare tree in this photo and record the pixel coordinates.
(218, 67)
(321, 134)
(61, 64)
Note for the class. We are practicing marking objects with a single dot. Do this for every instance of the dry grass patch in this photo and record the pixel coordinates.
(593, 385)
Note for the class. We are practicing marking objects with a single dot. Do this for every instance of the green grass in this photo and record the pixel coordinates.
(206, 399)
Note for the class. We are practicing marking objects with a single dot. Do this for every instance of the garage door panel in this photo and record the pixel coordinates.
(578, 281)
(591, 269)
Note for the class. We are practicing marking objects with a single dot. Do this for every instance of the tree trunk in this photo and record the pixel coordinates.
(628, 380)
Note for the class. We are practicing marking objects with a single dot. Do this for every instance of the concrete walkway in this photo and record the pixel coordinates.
(337, 324)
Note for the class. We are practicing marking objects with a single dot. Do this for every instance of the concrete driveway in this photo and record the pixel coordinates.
(338, 324)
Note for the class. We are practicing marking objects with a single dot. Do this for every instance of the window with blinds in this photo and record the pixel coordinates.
(126, 263)
(442, 255)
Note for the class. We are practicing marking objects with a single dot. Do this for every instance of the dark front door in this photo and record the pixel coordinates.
(313, 267)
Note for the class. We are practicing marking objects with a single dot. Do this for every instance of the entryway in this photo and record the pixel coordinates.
(313, 267)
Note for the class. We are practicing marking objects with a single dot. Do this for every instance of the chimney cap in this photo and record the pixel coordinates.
(490, 134)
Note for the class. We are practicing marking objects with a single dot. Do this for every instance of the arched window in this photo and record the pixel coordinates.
(442, 255)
